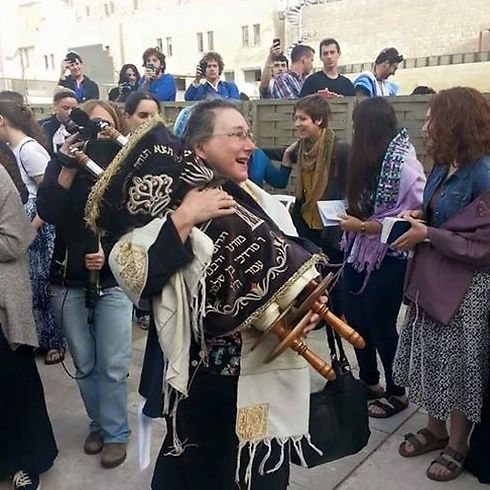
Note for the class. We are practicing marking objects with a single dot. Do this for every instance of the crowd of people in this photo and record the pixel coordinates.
(66, 285)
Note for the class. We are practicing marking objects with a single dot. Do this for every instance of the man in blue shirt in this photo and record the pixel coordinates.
(155, 80)
(209, 71)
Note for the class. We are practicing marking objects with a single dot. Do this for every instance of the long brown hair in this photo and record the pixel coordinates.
(459, 126)
(375, 126)
(22, 118)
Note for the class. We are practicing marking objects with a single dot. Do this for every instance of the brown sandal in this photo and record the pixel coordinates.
(454, 464)
(390, 406)
(54, 356)
(432, 443)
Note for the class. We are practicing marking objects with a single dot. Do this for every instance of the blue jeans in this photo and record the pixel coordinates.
(101, 353)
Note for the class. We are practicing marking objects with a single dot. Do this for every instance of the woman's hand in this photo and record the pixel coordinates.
(350, 223)
(315, 319)
(200, 205)
(417, 234)
(95, 262)
(411, 213)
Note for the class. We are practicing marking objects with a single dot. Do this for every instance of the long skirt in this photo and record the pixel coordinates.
(26, 436)
(445, 367)
(40, 254)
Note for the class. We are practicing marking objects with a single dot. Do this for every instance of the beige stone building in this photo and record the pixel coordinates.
(445, 44)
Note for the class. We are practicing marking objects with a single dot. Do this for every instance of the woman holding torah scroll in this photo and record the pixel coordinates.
(230, 415)
(384, 178)
(443, 351)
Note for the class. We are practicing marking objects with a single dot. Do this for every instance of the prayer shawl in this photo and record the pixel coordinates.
(400, 187)
(273, 399)
(375, 88)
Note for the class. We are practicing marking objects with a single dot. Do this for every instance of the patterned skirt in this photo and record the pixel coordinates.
(40, 254)
(445, 367)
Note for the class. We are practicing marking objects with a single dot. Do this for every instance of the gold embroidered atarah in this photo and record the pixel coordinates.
(131, 260)
(97, 192)
(252, 422)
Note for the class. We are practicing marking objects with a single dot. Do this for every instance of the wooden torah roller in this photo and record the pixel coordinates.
(307, 303)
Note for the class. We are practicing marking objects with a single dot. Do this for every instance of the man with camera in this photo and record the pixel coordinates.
(207, 81)
(155, 80)
(77, 81)
(64, 101)
(276, 64)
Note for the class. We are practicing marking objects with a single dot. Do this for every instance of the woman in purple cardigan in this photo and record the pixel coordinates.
(384, 178)
(443, 351)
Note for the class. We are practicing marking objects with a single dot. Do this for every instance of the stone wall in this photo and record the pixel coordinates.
(416, 27)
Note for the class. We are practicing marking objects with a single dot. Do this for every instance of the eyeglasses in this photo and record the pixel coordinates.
(239, 134)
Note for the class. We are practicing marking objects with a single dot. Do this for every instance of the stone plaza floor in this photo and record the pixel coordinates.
(376, 467)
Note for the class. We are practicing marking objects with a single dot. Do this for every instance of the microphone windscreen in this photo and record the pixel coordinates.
(80, 117)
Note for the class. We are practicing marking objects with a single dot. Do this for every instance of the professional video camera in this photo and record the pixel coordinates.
(80, 122)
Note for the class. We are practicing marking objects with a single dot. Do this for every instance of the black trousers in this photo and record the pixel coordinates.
(26, 436)
(373, 314)
(206, 419)
(335, 257)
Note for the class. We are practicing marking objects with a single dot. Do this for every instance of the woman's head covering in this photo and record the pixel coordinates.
(182, 120)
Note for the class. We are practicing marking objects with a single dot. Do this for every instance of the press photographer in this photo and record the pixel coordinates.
(129, 79)
(93, 312)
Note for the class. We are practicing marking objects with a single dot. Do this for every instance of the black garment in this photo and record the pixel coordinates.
(65, 209)
(207, 418)
(9, 162)
(478, 458)
(319, 81)
(115, 94)
(49, 127)
(373, 314)
(26, 436)
(90, 88)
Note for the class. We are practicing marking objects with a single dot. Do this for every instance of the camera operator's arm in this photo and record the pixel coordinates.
(194, 90)
(53, 195)
(266, 75)
(64, 68)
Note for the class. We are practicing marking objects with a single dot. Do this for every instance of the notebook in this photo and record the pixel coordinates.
(330, 210)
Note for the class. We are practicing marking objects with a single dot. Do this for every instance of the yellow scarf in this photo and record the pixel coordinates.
(313, 173)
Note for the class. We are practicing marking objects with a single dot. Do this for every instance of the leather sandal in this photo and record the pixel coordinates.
(432, 443)
(450, 459)
(390, 406)
(54, 356)
(375, 394)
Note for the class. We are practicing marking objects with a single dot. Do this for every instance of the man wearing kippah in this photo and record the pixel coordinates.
(375, 83)
(82, 85)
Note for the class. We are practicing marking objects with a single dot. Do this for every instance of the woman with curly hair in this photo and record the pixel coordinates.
(443, 352)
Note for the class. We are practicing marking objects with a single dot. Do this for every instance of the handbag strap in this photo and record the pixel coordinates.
(334, 343)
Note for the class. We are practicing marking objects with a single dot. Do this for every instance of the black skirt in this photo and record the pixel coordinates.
(26, 436)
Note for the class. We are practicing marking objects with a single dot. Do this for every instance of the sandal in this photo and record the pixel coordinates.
(375, 394)
(454, 463)
(432, 443)
(54, 356)
(390, 406)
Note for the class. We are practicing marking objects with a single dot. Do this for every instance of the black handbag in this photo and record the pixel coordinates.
(339, 423)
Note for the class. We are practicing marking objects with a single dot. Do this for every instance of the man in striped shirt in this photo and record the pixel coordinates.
(289, 84)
